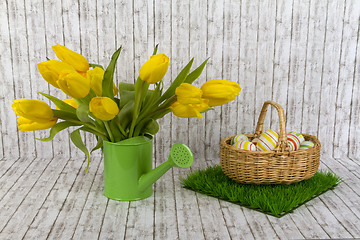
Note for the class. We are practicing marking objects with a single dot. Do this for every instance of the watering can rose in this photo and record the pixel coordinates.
(103, 108)
(154, 69)
(219, 92)
(76, 60)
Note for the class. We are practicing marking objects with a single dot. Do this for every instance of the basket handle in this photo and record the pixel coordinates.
(282, 144)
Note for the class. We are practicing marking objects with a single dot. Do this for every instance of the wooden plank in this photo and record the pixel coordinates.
(332, 51)
(43, 221)
(68, 218)
(20, 190)
(197, 48)
(215, 18)
(282, 53)
(346, 78)
(259, 225)
(231, 48)
(285, 227)
(34, 199)
(265, 56)
(92, 215)
(298, 58)
(124, 37)
(37, 51)
(313, 70)
(7, 92)
(247, 68)
(354, 131)
(20, 67)
(165, 222)
(53, 27)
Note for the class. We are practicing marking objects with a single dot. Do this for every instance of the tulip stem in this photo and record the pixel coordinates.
(109, 131)
(138, 97)
(99, 133)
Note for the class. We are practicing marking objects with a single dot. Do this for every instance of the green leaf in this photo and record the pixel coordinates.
(65, 115)
(125, 114)
(151, 127)
(155, 49)
(82, 112)
(60, 104)
(178, 80)
(196, 73)
(56, 129)
(126, 86)
(78, 142)
(107, 83)
(90, 130)
(93, 65)
(98, 145)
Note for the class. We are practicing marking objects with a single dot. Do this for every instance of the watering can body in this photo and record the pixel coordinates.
(124, 164)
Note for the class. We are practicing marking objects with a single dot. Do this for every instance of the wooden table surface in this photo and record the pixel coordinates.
(56, 199)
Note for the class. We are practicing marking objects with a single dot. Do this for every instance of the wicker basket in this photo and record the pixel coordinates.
(279, 166)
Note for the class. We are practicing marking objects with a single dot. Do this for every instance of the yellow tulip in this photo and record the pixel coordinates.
(95, 76)
(188, 94)
(34, 110)
(72, 58)
(50, 70)
(219, 92)
(103, 108)
(189, 110)
(74, 85)
(29, 125)
(71, 102)
(153, 70)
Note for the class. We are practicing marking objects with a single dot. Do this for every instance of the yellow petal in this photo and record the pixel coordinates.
(25, 124)
(103, 108)
(50, 70)
(34, 110)
(154, 69)
(76, 60)
(188, 94)
(74, 85)
(219, 92)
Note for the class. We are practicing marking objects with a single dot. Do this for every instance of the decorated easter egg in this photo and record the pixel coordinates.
(306, 145)
(299, 135)
(246, 145)
(255, 141)
(293, 141)
(267, 141)
(239, 138)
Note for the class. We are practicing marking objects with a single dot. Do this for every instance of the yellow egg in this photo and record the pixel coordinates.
(238, 138)
(267, 141)
(246, 145)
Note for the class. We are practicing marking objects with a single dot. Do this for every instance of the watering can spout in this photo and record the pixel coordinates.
(180, 156)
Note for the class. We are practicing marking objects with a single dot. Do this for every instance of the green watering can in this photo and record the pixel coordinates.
(128, 173)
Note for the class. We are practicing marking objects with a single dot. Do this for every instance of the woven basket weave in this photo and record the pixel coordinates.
(279, 166)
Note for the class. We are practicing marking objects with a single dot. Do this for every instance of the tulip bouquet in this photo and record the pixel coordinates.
(116, 113)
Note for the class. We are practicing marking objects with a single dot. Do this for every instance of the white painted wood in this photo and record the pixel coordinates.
(297, 61)
(346, 78)
(247, 68)
(282, 56)
(313, 70)
(330, 74)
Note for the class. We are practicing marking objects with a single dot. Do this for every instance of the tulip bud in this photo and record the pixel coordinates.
(95, 76)
(25, 124)
(74, 85)
(154, 69)
(35, 110)
(188, 94)
(219, 92)
(72, 58)
(103, 108)
(189, 110)
(50, 70)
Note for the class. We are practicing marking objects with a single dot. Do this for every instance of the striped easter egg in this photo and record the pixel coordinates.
(299, 135)
(293, 141)
(255, 141)
(238, 138)
(267, 141)
(246, 145)
(306, 145)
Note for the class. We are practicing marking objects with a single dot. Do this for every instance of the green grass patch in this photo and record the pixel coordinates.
(275, 200)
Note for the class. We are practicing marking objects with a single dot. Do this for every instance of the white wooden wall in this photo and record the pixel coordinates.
(303, 54)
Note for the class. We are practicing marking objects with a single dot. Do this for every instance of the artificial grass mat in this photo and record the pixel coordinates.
(275, 200)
